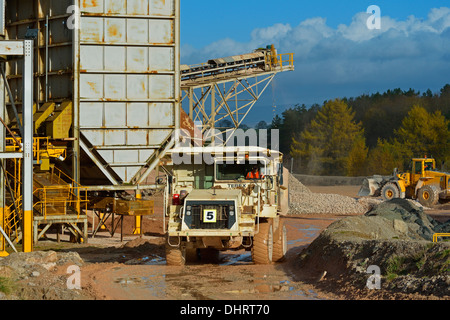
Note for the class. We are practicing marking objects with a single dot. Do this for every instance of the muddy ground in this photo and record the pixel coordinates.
(135, 268)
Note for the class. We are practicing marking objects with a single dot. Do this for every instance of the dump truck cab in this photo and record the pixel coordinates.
(216, 202)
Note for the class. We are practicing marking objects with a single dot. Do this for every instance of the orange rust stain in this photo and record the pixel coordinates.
(91, 3)
(112, 31)
(92, 85)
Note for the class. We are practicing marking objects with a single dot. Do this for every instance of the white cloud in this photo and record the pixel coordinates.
(404, 53)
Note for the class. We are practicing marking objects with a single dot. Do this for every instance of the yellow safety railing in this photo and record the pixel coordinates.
(436, 236)
(40, 146)
(11, 218)
(285, 60)
(67, 195)
(56, 200)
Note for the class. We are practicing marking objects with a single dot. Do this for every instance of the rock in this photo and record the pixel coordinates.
(35, 274)
(400, 226)
(407, 216)
(395, 236)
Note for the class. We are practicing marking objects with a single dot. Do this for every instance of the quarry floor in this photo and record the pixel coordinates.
(135, 269)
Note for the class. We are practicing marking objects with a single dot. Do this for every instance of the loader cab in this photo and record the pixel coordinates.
(420, 166)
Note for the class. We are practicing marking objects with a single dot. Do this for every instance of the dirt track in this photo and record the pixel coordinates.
(136, 270)
(233, 277)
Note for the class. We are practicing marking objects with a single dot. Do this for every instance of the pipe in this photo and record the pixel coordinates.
(46, 58)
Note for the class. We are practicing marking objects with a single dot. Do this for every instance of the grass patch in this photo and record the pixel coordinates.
(6, 285)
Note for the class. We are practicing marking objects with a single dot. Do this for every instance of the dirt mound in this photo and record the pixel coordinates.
(303, 201)
(393, 236)
(40, 275)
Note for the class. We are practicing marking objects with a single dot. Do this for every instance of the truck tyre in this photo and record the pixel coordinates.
(280, 244)
(175, 256)
(390, 191)
(262, 249)
(428, 196)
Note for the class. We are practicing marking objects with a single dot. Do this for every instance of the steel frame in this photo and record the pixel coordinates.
(22, 48)
(227, 92)
(230, 99)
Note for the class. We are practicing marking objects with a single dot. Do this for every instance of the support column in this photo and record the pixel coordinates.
(27, 228)
(138, 219)
(3, 252)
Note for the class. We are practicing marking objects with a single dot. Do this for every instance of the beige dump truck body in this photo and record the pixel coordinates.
(215, 204)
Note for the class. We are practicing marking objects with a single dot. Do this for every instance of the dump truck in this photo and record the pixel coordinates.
(423, 183)
(215, 201)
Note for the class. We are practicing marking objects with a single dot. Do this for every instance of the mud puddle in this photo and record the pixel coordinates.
(233, 277)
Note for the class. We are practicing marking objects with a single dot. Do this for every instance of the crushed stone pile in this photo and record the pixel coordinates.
(396, 236)
(408, 218)
(39, 275)
(303, 201)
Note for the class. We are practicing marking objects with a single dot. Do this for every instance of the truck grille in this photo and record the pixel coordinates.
(210, 215)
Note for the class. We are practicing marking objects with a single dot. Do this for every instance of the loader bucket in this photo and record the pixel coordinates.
(369, 187)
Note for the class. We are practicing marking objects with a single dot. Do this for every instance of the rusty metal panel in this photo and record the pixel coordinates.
(120, 69)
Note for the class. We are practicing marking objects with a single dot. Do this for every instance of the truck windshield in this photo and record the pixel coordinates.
(245, 171)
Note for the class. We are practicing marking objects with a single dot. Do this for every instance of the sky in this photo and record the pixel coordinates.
(336, 54)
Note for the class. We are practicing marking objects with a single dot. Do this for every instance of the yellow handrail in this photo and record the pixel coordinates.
(72, 198)
(438, 235)
(282, 60)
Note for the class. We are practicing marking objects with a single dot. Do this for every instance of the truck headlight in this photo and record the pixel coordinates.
(188, 213)
(231, 213)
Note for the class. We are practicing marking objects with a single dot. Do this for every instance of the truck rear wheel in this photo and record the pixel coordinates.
(175, 256)
(280, 244)
(262, 249)
(428, 196)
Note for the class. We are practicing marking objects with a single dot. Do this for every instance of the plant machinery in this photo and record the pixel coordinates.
(216, 205)
(423, 183)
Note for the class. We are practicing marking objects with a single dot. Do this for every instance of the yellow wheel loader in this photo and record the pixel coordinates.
(424, 184)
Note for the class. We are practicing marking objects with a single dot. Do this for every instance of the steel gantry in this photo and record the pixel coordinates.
(220, 94)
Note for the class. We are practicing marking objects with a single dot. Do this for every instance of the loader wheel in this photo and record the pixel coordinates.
(280, 244)
(428, 196)
(390, 191)
(262, 249)
(175, 256)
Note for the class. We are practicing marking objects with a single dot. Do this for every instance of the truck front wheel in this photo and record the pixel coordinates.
(175, 256)
(280, 244)
(262, 249)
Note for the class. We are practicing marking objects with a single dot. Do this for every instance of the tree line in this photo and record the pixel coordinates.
(366, 135)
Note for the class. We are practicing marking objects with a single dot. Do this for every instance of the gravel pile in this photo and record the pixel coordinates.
(396, 236)
(303, 201)
(39, 275)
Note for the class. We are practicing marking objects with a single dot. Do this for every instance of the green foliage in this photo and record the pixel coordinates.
(385, 157)
(369, 134)
(325, 145)
(425, 134)
(6, 285)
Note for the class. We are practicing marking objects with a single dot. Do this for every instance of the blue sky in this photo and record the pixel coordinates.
(336, 55)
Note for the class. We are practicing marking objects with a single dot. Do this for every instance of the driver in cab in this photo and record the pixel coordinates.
(254, 174)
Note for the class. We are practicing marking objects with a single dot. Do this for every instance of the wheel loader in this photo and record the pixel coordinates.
(217, 205)
(423, 183)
